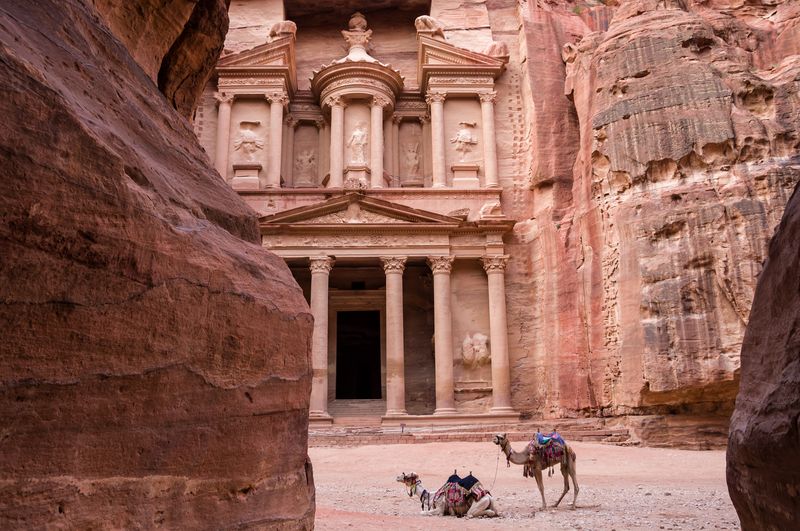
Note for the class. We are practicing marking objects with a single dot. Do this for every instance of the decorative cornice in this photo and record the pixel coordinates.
(441, 264)
(394, 264)
(320, 264)
(494, 263)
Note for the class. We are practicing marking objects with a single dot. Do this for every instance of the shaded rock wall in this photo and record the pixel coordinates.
(155, 360)
(764, 445)
(642, 263)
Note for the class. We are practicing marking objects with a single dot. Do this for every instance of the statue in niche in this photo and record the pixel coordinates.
(305, 166)
(411, 158)
(475, 351)
(248, 141)
(358, 144)
(464, 139)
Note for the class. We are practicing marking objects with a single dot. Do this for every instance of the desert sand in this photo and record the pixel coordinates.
(620, 488)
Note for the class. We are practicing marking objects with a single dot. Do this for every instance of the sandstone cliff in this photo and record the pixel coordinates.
(155, 360)
(680, 120)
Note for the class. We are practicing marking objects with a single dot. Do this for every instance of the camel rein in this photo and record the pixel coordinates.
(497, 466)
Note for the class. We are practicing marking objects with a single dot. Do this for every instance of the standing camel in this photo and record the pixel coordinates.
(535, 461)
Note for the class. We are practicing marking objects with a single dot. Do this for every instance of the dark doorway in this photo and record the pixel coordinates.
(358, 355)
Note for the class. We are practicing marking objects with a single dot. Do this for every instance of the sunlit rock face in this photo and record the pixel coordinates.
(155, 360)
(640, 264)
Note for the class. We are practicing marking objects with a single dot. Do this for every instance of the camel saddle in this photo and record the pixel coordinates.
(453, 496)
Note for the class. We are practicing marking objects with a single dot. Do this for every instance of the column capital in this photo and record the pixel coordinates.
(494, 263)
(396, 119)
(291, 121)
(487, 97)
(441, 264)
(435, 97)
(334, 101)
(319, 123)
(393, 264)
(380, 101)
(277, 97)
(424, 119)
(223, 97)
(320, 264)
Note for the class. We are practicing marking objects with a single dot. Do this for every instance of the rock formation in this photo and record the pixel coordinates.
(642, 257)
(155, 360)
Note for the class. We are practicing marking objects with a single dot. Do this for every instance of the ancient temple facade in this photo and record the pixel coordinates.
(382, 194)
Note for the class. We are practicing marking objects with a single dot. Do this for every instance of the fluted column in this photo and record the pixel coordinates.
(394, 266)
(489, 144)
(376, 140)
(439, 170)
(337, 142)
(320, 273)
(276, 102)
(443, 334)
(225, 101)
(495, 266)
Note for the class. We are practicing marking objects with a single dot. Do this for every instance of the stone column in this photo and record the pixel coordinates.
(443, 334)
(225, 100)
(320, 272)
(291, 124)
(337, 142)
(495, 266)
(321, 145)
(394, 266)
(489, 144)
(276, 102)
(439, 170)
(376, 140)
(396, 120)
(425, 121)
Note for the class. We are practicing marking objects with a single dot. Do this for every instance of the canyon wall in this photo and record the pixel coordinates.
(678, 122)
(155, 360)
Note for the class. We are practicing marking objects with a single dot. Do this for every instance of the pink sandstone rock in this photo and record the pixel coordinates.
(155, 360)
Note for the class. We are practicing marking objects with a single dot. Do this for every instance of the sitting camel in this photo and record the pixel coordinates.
(478, 500)
(537, 457)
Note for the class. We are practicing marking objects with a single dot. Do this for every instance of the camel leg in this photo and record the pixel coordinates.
(438, 511)
(480, 508)
(537, 473)
(573, 474)
(564, 468)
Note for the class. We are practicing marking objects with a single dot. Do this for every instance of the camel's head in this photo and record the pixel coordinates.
(500, 439)
(407, 479)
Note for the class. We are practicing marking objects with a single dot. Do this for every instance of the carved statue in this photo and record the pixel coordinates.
(411, 158)
(279, 29)
(358, 144)
(429, 25)
(496, 49)
(305, 166)
(475, 351)
(491, 209)
(248, 141)
(464, 139)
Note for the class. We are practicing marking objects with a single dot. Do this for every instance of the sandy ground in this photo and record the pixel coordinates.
(621, 488)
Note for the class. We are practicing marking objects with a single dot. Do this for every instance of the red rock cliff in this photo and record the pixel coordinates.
(155, 360)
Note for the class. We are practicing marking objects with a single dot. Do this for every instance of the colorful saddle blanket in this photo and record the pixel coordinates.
(453, 496)
(544, 439)
(549, 448)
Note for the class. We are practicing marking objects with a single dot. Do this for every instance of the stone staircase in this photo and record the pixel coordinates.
(357, 413)
(366, 430)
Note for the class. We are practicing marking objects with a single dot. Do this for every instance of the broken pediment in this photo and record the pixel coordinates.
(276, 58)
(357, 209)
(437, 58)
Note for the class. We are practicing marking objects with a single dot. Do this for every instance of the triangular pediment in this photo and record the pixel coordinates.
(355, 209)
(437, 57)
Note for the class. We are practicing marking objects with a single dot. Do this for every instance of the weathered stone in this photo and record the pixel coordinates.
(155, 360)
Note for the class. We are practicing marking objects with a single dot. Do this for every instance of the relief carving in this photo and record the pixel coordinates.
(411, 159)
(305, 166)
(248, 142)
(429, 26)
(358, 144)
(464, 139)
(475, 351)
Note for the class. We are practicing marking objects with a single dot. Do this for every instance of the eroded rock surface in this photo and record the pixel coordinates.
(643, 262)
(155, 360)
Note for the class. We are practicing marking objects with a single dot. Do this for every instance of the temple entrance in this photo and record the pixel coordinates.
(358, 358)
